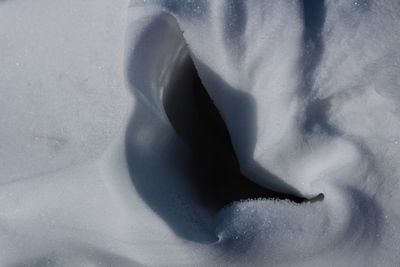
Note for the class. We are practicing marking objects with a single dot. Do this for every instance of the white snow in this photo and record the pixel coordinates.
(92, 173)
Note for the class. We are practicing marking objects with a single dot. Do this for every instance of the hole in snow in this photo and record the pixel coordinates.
(217, 180)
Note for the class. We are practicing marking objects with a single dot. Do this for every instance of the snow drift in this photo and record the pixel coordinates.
(101, 116)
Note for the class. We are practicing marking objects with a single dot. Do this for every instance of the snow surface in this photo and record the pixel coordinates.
(92, 172)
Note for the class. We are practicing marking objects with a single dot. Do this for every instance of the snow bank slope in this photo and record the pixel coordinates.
(308, 91)
(301, 87)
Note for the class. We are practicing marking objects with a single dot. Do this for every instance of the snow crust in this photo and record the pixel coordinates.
(92, 172)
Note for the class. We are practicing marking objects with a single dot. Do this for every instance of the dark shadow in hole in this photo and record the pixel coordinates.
(218, 179)
(186, 187)
(242, 117)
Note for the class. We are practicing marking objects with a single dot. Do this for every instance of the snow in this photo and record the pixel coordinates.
(92, 172)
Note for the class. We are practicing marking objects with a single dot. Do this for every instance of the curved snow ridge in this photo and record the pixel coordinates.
(284, 233)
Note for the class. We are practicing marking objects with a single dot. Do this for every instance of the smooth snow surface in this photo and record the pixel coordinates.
(92, 172)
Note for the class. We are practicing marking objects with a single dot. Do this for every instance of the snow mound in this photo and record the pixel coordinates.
(95, 167)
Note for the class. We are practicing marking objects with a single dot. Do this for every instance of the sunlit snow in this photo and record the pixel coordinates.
(99, 120)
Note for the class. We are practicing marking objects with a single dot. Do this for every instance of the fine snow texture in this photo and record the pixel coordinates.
(93, 172)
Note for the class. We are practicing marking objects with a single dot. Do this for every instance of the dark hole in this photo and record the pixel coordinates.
(217, 179)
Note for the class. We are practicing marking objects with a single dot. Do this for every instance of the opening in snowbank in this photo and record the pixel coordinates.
(218, 179)
(175, 109)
